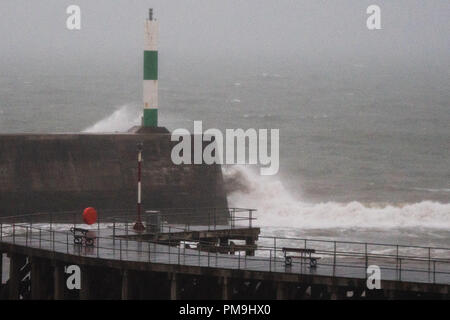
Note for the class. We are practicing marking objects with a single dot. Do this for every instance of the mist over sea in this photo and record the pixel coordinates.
(364, 118)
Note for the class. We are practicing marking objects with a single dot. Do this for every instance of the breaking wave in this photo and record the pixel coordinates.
(278, 208)
(120, 120)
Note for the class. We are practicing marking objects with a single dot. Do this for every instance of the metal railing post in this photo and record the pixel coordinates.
(31, 228)
(14, 233)
(67, 241)
(270, 261)
(365, 254)
(74, 220)
(114, 232)
(215, 221)
(334, 258)
(434, 271)
(170, 242)
(233, 218)
(396, 262)
(400, 270)
(250, 219)
(274, 248)
(26, 236)
(239, 260)
(120, 250)
(209, 220)
(149, 251)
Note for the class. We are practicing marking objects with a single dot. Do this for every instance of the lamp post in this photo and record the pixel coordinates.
(138, 226)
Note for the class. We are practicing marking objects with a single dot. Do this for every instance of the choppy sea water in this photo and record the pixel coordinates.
(362, 158)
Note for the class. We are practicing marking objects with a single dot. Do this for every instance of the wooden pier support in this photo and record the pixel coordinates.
(13, 282)
(282, 291)
(58, 281)
(225, 283)
(335, 293)
(85, 292)
(173, 286)
(41, 279)
(37, 279)
(318, 292)
(125, 285)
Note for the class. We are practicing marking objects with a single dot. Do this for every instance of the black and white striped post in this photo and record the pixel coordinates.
(138, 226)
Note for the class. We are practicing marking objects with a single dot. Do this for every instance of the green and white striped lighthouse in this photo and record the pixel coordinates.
(150, 118)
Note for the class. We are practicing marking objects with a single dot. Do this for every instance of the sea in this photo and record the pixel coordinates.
(364, 146)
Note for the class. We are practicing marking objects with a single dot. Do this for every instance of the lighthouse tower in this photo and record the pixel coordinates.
(150, 118)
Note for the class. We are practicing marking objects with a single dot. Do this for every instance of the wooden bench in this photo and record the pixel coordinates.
(80, 236)
(305, 254)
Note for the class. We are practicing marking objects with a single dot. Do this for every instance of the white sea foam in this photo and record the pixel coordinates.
(120, 120)
(278, 208)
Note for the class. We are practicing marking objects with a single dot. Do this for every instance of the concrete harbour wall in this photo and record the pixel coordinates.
(65, 172)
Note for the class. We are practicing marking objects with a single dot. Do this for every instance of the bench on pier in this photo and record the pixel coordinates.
(80, 236)
(304, 254)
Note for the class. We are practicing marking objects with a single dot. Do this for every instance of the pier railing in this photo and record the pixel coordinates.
(190, 218)
(403, 262)
(338, 258)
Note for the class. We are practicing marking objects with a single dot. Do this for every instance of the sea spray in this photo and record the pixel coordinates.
(120, 120)
(278, 208)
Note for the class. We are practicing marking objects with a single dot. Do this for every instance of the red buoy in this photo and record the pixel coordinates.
(90, 215)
